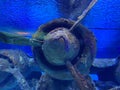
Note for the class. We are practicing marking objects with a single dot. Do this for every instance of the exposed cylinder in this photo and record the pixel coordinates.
(60, 45)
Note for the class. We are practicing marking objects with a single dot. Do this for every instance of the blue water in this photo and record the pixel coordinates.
(103, 19)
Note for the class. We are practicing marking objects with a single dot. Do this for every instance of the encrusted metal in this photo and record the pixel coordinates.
(82, 59)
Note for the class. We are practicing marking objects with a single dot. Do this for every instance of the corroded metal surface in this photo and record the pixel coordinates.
(82, 61)
(83, 82)
(60, 45)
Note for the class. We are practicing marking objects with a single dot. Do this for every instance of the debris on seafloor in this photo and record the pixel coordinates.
(104, 62)
(18, 58)
(46, 82)
(107, 69)
(15, 63)
(7, 67)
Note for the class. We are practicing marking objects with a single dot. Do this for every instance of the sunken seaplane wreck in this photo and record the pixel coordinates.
(63, 53)
(64, 49)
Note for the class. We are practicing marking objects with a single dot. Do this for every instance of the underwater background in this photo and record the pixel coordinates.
(26, 16)
(23, 17)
